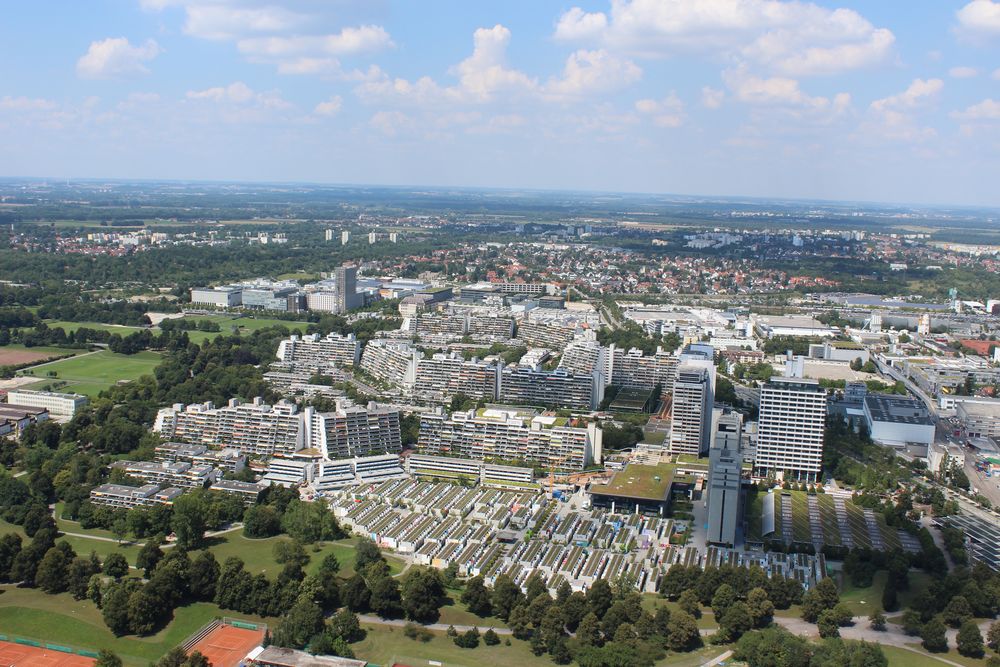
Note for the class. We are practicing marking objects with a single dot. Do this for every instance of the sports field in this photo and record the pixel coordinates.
(226, 645)
(92, 373)
(22, 655)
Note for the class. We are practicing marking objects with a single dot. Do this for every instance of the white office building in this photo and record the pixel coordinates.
(790, 429)
(58, 405)
(691, 411)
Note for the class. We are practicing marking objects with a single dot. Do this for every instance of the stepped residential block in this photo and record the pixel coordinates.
(444, 375)
(316, 353)
(527, 385)
(509, 434)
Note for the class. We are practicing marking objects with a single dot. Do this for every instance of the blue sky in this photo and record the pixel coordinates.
(896, 100)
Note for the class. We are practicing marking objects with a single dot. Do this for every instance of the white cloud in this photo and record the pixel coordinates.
(963, 72)
(116, 57)
(594, 71)
(987, 110)
(484, 73)
(668, 112)
(224, 21)
(790, 38)
(390, 123)
(775, 91)
(484, 77)
(22, 103)
(238, 93)
(996, 74)
(918, 92)
(329, 107)
(348, 41)
(712, 98)
(895, 115)
(293, 37)
(577, 24)
(980, 18)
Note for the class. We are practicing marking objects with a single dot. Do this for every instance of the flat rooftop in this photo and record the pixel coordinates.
(641, 482)
(981, 409)
(897, 409)
(631, 398)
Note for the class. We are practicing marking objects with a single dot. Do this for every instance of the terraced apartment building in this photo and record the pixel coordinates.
(315, 353)
(511, 434)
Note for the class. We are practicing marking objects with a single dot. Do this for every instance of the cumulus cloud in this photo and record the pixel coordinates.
(979, 18)
(223, 21)
(577, 24)
(917, 93)
(348, 41)
(778, 91)
(962, 72)
(238, 93)
(790, 38)
(116, 57)
(329, 107)
(667, 112)
(712, 98)
(594, 71)
(390, 123)
(22, 103)
(485, 77)
(895, 115)
(987, 110)
(294, 40)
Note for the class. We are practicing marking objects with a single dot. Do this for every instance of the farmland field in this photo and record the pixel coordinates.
(16, 355)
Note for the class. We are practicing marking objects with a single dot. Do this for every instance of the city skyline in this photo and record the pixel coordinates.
(832, 100)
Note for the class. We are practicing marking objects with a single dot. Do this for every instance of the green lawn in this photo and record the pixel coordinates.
(258, 554)
(63, 620)
(97, 326)
(456, 613)
(863, 600)
(908, 658)
(90, 374)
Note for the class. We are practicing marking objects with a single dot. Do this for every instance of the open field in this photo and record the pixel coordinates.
(96, 326)
(243, 325)
(17, 355)
(863, 600)
(385, 645)
(61, 619)
(92, 373)
(258, 554)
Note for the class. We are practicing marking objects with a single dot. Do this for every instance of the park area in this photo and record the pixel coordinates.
(91, 373)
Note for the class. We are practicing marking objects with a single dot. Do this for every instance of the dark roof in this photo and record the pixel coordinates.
(897, 409)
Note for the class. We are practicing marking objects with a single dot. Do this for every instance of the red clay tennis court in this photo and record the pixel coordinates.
(20, 655)
(226, 645)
